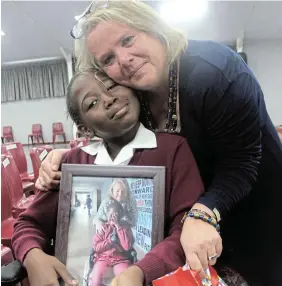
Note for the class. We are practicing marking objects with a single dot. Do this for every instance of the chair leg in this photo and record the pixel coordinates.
(65, 139)
(42, 139)
(54, 138)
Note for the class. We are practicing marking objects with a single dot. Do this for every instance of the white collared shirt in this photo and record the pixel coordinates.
(144, 139)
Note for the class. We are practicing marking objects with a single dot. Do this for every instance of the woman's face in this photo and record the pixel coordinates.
(119, 193)
(128, 56)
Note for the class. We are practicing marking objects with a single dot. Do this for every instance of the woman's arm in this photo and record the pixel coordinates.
(232, 121)
(185, 189)
(130, 213)
(100, 217)
(49, 174)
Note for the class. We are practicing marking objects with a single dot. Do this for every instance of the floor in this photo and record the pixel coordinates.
(81, 233)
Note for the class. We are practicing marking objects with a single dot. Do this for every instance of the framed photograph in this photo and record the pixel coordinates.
(109, 217)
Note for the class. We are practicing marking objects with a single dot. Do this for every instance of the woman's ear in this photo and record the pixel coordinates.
(84, 131)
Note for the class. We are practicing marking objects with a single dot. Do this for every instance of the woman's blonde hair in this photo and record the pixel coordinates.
(125, 185)
(137, 15)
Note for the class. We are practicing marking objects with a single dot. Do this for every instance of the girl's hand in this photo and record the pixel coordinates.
(44, 269)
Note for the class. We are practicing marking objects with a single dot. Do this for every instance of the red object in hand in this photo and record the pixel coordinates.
(182, 277)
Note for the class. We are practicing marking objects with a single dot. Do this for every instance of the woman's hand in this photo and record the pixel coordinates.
(44, 269)
(132, 276)
(200, 241)
(49, 176)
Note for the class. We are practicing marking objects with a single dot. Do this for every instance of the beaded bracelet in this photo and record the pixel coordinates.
(208, 219)
(202, 212)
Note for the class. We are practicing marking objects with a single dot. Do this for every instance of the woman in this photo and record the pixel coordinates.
(119, 191)
(206, 93)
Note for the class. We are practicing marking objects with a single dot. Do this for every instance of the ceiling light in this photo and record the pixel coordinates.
(183, 10)
(2, 33)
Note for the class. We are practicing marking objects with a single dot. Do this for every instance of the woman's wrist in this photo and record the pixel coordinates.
(203, 208)
(202, 213)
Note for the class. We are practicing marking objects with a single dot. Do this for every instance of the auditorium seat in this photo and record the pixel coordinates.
(6, 255)
(79, 142)
(17, 151)
(7, 214)
(7, 134)
(11, 176)
(36, 133)
(58, 129)
(37, 155)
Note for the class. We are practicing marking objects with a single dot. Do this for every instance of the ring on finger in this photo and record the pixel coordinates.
(212, 257)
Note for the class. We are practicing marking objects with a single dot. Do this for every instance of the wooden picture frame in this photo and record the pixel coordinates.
(146, 190)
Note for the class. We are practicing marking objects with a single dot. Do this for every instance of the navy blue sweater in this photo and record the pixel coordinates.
(239, 154)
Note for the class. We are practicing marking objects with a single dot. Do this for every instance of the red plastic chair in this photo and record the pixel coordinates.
(6, 255)
(36, 133)
(7, 134)
(79, 142)
(11, 176)
(7, 214)
(37, 155)
(17, 151)
(58, 129)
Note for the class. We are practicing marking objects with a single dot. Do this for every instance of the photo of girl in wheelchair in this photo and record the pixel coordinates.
(112, 250)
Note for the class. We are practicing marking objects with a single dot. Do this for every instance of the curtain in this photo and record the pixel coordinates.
(36, 80)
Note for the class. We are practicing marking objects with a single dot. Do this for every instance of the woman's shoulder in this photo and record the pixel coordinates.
(206, 64)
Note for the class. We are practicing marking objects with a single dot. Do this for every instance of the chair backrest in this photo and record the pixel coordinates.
(11, 175)
(17, 151)
(58, 127)
(37, 155)
(79, 142)
(36, 128)
(6, 204)
(3, 149)
(7, 130)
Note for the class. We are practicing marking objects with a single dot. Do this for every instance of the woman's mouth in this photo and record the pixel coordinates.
(136, 71)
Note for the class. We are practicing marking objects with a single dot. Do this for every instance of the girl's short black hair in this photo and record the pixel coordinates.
(72, 107)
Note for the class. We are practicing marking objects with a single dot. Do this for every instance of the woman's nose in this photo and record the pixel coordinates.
(125, 58)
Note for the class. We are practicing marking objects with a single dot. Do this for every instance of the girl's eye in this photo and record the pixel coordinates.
(127, 40)
(92, 104)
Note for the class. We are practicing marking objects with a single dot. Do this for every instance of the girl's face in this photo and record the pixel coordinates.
(130, 57)
(119, 193)
(108, 109)
(113, 215)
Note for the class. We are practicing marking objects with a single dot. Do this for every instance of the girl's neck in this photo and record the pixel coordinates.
(114, 145)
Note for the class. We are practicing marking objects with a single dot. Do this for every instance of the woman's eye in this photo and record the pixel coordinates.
(127, 40)
(92, 104)
(108, 60)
